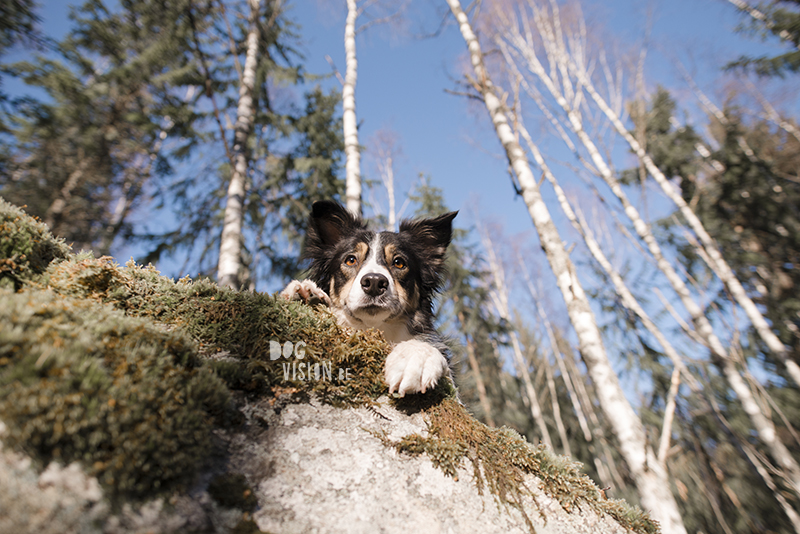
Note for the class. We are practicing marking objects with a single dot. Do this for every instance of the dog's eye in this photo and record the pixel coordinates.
(350, 260)
(400, 263)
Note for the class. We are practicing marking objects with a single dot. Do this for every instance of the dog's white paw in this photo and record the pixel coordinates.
(307, 291)
(414, 366)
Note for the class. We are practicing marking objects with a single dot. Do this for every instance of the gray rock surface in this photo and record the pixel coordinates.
(313, 468)
(323, 470)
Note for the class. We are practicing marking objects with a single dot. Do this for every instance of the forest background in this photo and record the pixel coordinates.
(124, 125)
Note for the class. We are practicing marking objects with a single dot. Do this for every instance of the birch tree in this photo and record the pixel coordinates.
(651, 479)
(230, 248)
(349, 122)
(352, 148)
(781, 19)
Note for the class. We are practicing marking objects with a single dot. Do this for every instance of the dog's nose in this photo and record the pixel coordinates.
(374, 284)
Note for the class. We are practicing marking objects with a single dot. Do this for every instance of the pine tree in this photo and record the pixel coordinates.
(135, 120)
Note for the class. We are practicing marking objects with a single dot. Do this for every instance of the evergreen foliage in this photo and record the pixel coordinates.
(781, 20)
(18, 20)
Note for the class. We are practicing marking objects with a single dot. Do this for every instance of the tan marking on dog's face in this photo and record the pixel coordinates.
(339, 294)
(409, 299)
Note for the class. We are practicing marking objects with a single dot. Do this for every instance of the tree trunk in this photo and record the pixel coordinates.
(230, 248)
(476, 371)
(562, 432)
(651, 479)
(350, 124)
(52, 217)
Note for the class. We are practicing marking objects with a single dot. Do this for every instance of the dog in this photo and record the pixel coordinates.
(384, 280)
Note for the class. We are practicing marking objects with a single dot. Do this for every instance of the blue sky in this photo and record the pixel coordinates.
(402, 81)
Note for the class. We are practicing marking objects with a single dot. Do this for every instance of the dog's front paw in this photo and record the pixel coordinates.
(307, 291)
(414, 366)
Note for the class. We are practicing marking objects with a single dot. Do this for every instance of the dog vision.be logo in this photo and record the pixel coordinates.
(296, 369)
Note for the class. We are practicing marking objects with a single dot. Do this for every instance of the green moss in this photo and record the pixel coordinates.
(82, 381)
(501, 459)
(129, 372)
(241, 325)
(26, 247)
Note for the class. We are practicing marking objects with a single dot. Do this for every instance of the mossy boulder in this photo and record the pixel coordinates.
(27, 247)
(173, 402)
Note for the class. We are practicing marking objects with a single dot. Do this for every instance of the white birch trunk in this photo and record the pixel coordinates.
(772, 114)
(350, 124)
(651, 479)
(387, 172)
(562, 431)
(230, 248)
(759, 15)
(628, 300)
(476, 371)
(669, 416)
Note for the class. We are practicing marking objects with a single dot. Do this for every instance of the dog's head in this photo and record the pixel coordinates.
(376, 278)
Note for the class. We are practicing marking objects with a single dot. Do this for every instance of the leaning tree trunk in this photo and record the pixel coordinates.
(230, 247)
(350, 124)
(651, 479)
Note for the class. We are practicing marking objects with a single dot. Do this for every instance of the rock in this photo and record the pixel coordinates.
(132, 403)
(316, 468)
(311, 468)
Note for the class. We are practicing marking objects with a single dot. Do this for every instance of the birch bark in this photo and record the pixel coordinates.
(350, 124)
(500, 299)
(230, 248)
(651, 479)
(479, 384)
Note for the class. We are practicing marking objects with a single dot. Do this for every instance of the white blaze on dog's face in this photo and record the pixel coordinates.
(377, 283)
(372, 295)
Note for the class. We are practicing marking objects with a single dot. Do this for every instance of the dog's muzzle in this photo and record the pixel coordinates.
(374, 284)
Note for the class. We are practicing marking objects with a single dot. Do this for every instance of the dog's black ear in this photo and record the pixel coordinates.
(432, 235)
(330, 221)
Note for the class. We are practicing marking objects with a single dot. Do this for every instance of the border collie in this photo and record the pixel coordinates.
(383, 280)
